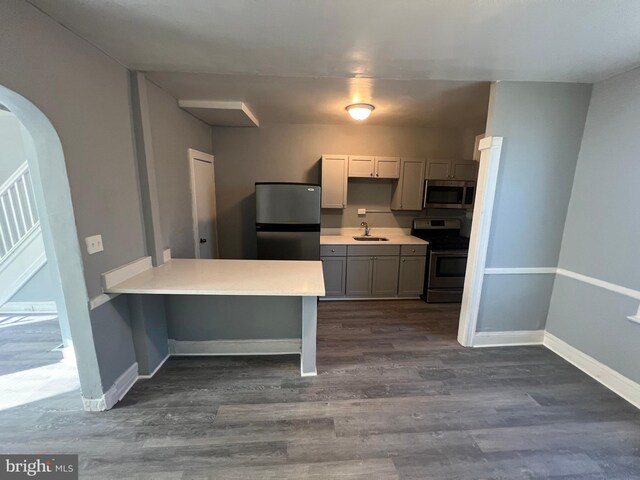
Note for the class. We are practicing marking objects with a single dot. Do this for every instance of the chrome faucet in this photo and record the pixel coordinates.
(366, 229)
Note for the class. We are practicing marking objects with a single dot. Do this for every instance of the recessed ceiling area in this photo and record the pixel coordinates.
(424, 103)
(469, 40)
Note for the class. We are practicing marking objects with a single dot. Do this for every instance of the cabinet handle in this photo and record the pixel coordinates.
(333, 250)
(404, 259)
(371, 174)
(413, 250)
(377, 174)
(375, 258)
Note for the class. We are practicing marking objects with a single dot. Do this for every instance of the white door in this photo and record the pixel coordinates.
(203, 204)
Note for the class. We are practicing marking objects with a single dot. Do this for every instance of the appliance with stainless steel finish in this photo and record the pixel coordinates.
(288, 221)
(446, 258)
(448, 194)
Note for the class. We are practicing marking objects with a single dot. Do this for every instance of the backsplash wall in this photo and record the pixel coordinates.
(291, 153)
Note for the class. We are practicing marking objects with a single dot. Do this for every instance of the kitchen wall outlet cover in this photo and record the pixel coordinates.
(94, 244)
(362, 211)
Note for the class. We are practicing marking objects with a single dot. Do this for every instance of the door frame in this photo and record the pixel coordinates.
(196, 155)
(490, 150)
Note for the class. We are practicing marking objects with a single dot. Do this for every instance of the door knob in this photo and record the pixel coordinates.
(203, 240)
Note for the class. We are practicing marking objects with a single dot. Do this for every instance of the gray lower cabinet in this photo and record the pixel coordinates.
(335, 275)
(385, 276)
(411, 277)
(359, 275)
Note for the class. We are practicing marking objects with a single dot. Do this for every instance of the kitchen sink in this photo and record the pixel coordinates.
(371, 239)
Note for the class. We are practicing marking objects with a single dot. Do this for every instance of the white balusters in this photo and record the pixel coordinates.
(18, 218)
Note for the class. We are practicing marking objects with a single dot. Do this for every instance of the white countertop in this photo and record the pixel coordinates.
(396, 236)
(228, 277)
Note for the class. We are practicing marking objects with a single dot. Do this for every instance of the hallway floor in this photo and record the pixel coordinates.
(395, 397)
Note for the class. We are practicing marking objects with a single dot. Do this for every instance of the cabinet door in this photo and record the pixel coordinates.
(335, 272)
(385, 276)
(438, 170)
(411, 278)
(334, 181)
(387, 167)
(467, 171)
(407, 194)
(359, 273)
(361, 166)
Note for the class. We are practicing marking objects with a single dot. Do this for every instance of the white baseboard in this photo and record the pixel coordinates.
(125, 272)
(29, 307)
(503, 339)
(146, 377)
(280, 346)
(310, 374)
(117, 391)
(614, 381)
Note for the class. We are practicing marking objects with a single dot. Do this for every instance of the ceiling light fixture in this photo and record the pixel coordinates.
(360, 111)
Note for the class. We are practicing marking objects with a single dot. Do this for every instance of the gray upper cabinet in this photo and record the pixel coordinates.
(335, 275)
(462, 170)
(385, 276)
(334, 181)
(359, 275)
(408, 191)
(361, 166)
(411, 277)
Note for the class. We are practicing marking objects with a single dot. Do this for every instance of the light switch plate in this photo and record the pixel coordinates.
(94, 244)
(362, 211)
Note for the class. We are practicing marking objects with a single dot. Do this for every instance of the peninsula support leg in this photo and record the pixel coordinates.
(309, 327)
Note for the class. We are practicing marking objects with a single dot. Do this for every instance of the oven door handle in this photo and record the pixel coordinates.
(450, 253)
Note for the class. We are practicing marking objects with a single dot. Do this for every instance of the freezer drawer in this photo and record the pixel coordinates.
(288, 245)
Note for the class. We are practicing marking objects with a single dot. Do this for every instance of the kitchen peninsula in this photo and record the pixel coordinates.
(221, 307)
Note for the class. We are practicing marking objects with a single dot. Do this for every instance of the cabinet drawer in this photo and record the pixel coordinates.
(333, 250)
(413, 250)
(371, 250)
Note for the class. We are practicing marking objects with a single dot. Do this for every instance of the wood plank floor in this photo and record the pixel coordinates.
(395, 398)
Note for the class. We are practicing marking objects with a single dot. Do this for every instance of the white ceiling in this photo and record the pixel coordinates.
(298, 60)
(322, 100)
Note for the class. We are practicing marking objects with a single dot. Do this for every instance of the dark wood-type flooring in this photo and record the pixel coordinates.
(395, 397)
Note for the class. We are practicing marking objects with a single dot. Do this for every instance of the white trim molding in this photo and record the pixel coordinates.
(116, 393)
(614, 381)
(629, 292)
(278, 346)
(490, 148)
(155, 370)
(125, 272)
(29, 307)
(504, 339)
(520, 270)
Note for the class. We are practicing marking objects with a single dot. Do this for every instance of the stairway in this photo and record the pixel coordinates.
(21, 245)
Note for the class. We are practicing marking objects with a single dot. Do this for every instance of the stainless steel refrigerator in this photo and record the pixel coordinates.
(288, 221)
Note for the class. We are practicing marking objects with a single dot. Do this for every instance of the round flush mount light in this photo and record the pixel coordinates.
(360, 111)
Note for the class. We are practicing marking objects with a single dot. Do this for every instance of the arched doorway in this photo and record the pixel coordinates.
(45, 158)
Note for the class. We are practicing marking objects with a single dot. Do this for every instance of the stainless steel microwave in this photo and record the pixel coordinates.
(449, 194)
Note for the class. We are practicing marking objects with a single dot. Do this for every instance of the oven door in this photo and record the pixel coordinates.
(447, 268)
(443, 196)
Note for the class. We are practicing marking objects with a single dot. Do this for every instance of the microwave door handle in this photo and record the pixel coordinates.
(424, 199)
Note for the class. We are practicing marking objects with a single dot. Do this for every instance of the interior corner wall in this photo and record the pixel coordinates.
(173, 132)
(85, 95)
(291, 153)
(542, 126)
(602, 232)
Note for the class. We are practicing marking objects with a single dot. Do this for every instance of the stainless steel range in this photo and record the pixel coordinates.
(446, 258)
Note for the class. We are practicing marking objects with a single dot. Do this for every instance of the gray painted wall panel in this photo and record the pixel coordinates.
(39, 288)
(149, 326)
(113, 338)
(603, 224)
(514, 302)
(201, 317)
(542, 126)
(173, 132)
(594, 321)
(291, 153)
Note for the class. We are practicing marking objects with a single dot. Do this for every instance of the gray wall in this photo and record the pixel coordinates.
(11, 149)
(291, 153)
(39, 288)
(602, 231)
(173, 132)
(542, 126)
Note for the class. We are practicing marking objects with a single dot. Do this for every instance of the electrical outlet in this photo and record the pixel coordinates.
(94, 244)
(362, 211)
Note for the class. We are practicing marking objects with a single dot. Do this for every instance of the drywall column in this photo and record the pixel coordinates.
(149, 326)
(146, 167)
(542, 125)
